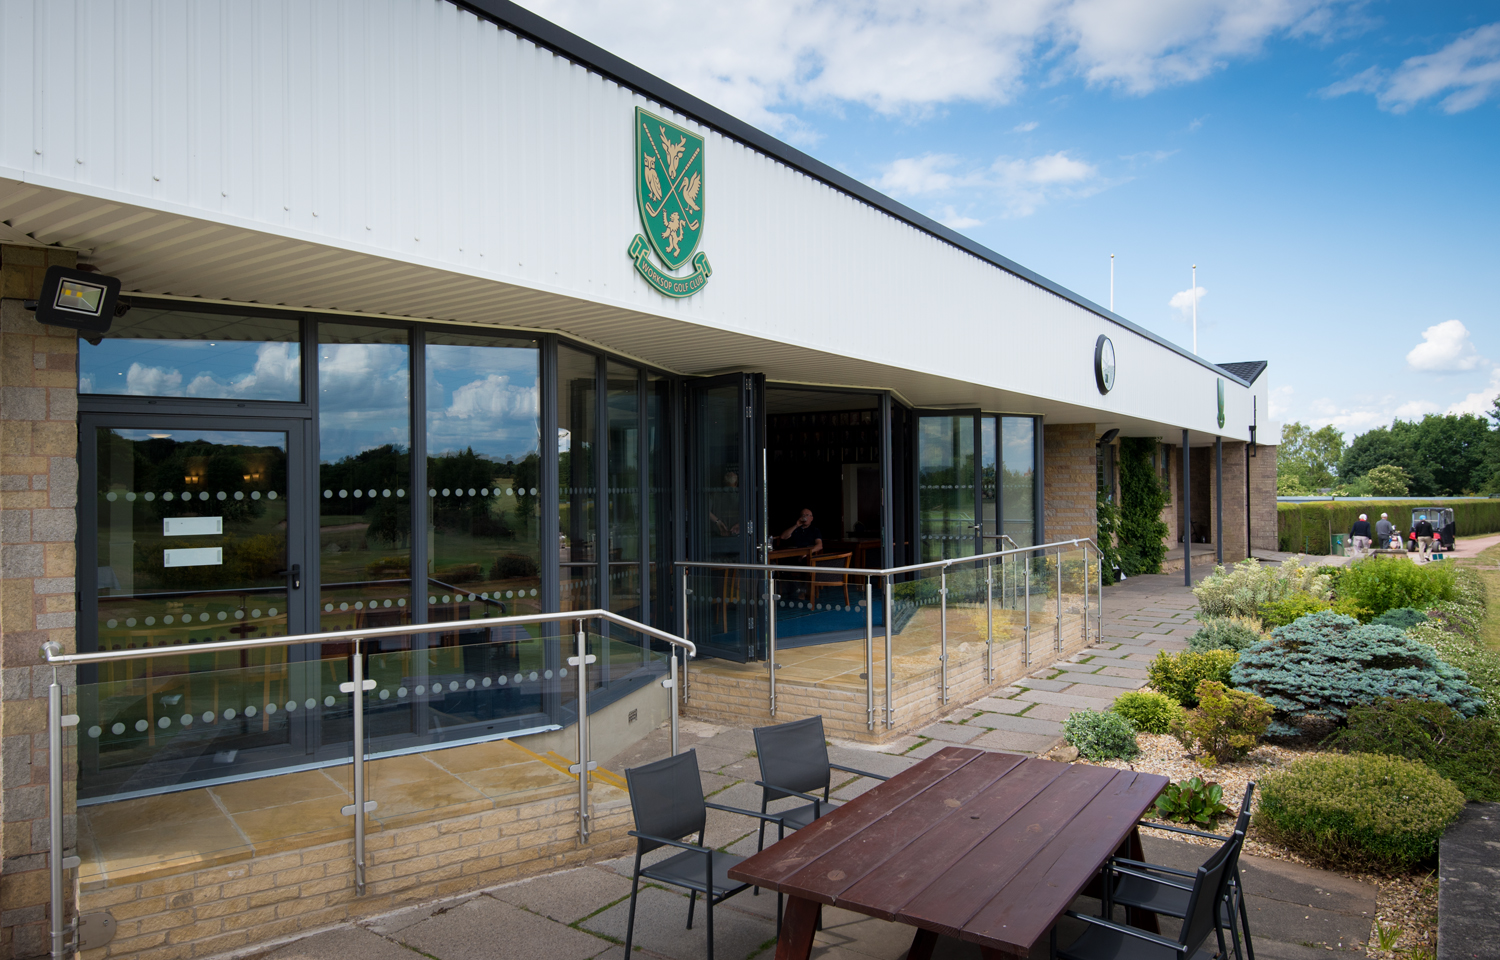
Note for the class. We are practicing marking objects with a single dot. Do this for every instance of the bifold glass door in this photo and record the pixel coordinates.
(195, 528)
(726, 507)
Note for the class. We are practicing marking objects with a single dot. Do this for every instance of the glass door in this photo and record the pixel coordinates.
(950, 498)
(726, 513)
(193, 531)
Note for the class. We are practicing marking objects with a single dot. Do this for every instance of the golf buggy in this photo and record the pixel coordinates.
(1443, 528)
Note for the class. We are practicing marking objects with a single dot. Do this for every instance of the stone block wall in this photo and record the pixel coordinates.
(1263, 499)
(38, 497)
(1070, 487)
(1236, 546)
(1169, 513)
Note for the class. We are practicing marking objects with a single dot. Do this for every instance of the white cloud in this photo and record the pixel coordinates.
(1020, 184)
(1463, 74)
(1415, 409)
(1182, 301)
(1280, 402)
(953, 219)
(275, 376)
(1026, 127)
(763, 62)
(1481, 401)
(1445, 347)
(494, 397)
(152, 381)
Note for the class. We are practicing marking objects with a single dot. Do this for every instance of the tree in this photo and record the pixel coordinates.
(1372, 449)
(1442, 454)
(1310, 455)
(1388, 480)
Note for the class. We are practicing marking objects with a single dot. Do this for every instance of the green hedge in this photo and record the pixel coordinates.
(1309, 527)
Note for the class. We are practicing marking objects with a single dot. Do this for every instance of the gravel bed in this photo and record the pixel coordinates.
(1407, 904)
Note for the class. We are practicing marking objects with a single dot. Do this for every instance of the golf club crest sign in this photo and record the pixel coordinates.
(669, 191)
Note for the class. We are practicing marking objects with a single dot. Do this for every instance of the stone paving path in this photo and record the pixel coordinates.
(580, 914)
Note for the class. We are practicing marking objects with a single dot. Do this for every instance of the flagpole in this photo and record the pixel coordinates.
(1195, 309)
(1111, 283)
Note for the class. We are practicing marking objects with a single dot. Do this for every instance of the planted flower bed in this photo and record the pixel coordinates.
(1361, 700)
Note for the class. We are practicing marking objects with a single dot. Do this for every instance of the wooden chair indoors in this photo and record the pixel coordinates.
(827, 581)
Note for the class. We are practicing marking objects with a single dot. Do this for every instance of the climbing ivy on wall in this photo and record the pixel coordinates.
(1108, 538)
(1142, 499)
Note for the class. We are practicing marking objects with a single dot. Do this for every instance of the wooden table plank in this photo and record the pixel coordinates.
(1025, 908)
(771, 866)
(827, 878)
(965, 883)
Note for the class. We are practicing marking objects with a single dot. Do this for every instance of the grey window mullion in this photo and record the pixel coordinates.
(601, 496)
(420, 506)
(547, 478)
(643, 482)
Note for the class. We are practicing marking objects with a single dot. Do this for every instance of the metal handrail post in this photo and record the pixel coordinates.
(357, 691)
(890, 616)
(672, 682)
(583, 732)
(1027, 631)
(55, 813)
(943, 633)
(989, 621)
(870, 654)
(1086, 576)
(687, 694)
(771, 642)
(1057, 635)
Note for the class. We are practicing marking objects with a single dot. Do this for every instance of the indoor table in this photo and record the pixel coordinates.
(988, 847)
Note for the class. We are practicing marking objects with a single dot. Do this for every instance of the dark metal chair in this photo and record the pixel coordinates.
(667, 798)
(1107, 940)
(794, 763)
(1149, 886)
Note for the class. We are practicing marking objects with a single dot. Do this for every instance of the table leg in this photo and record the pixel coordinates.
(798, 926)
(1134, 916)
(922, 945)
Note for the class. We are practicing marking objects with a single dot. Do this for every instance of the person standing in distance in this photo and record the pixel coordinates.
(1383, 530)
(1423, 530)
(1359, 536)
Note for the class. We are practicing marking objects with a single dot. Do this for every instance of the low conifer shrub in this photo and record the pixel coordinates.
(1359, 810)
(1178, 675)
(1325, 663)
(1402, 618)
(1225, 725)
(1101, 736)
(1151, 712)
(1226, 633)
(1466, 751)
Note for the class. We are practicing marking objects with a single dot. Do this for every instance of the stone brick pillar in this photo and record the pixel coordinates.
(1070, 505)
(38, 560)
(1235, 518)
(1170, 514)
(1263, 533)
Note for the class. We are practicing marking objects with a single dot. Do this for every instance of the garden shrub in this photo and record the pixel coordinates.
(1142, 497)
(1101, 736)
(1358, 810)
(1402, 618)
(1294, 606)
(1325, 663)
(1178, 675)
(1464, 750)
(1151, 712)
(1247, 585)
(1225, 726)
(1226, 633)
(1385, 583)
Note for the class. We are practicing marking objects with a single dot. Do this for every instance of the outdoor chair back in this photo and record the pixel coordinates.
(793, 756)
(667, 799)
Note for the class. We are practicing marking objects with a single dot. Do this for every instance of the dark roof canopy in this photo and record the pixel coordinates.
(1247, 370)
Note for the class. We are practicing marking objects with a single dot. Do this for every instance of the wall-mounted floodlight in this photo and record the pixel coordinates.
(78, 299)
(1109, 435)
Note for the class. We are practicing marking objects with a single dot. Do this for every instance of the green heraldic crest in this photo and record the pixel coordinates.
(669, 191)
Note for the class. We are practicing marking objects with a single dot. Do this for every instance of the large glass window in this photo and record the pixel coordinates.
(151, 352)
(945, 486)
(1018, 481)
(483, 423)
(624, 437)
(577, 392)
(364, 476)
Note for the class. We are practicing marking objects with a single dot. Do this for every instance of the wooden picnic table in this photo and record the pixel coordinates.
(988, 847)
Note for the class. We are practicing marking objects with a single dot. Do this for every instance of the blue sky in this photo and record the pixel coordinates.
(1329, 166)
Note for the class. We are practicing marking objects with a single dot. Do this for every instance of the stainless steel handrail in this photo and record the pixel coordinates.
(888, 573)
(56, 721)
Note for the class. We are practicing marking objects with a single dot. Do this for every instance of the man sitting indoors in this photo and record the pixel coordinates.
(802, 533)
